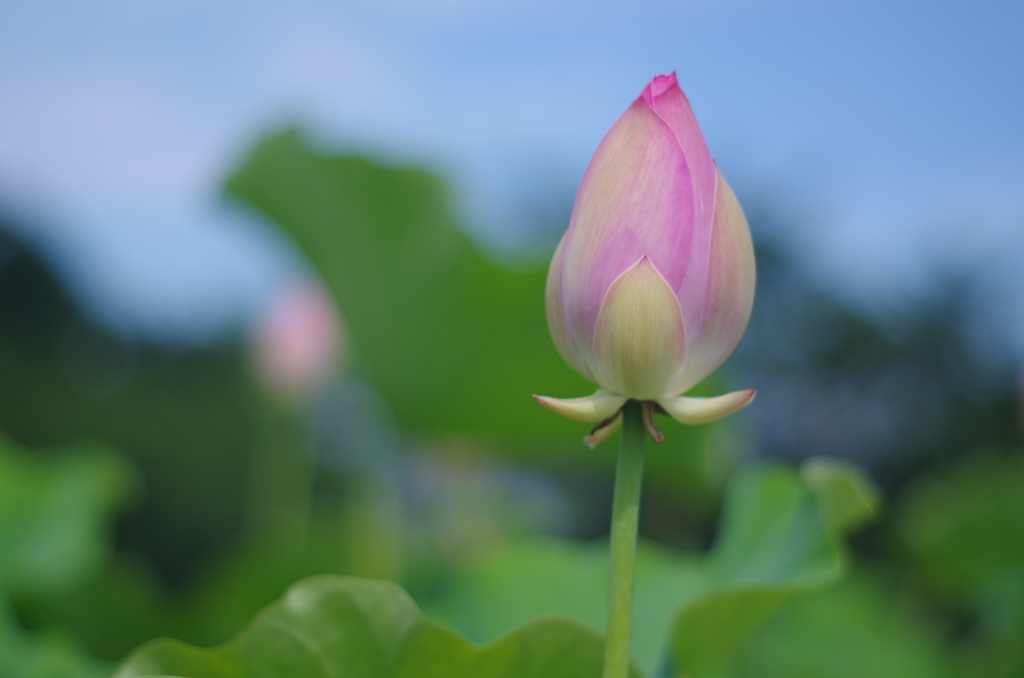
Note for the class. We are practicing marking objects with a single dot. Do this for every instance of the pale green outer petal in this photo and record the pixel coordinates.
(638, 342)
(729, 295)
(554, 305)
(591, 408)
(602, 434)
(702, 410)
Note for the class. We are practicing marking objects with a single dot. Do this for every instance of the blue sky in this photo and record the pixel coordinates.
(894, 129)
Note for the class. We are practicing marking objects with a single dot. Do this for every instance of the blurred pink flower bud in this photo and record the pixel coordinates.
(652, 286)
(297, 342)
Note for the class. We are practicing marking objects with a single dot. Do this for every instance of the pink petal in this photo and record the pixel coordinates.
(729, 295)
(669, 103)
(636, 200)
(572, 352)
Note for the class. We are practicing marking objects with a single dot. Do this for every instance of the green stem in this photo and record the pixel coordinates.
(625, 513)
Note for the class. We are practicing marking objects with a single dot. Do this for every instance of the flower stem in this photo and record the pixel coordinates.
(625, 513)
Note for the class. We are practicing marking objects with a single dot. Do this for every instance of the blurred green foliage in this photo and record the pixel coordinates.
(48, 653)
(775, 543)
(55, 516)
(781, 537)
(852, 630)
(454, 342)
(963, 531)
(183, 416)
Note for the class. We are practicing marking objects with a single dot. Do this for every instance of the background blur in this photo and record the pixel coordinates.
(271, 304)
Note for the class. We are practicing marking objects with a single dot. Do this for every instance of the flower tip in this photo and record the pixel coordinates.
(658, 86)
(548, 402)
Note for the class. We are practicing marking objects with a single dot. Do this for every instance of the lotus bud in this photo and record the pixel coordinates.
(297, 343)
(651, 287)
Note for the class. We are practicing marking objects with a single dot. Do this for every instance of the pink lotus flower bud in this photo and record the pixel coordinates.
(297, 342)
(652, 286)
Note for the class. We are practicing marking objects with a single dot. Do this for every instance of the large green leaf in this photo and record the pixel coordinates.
(455, 343)
(55, 512)
(452, 341)
(360, 628)
(780, 536)
(847, 496)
